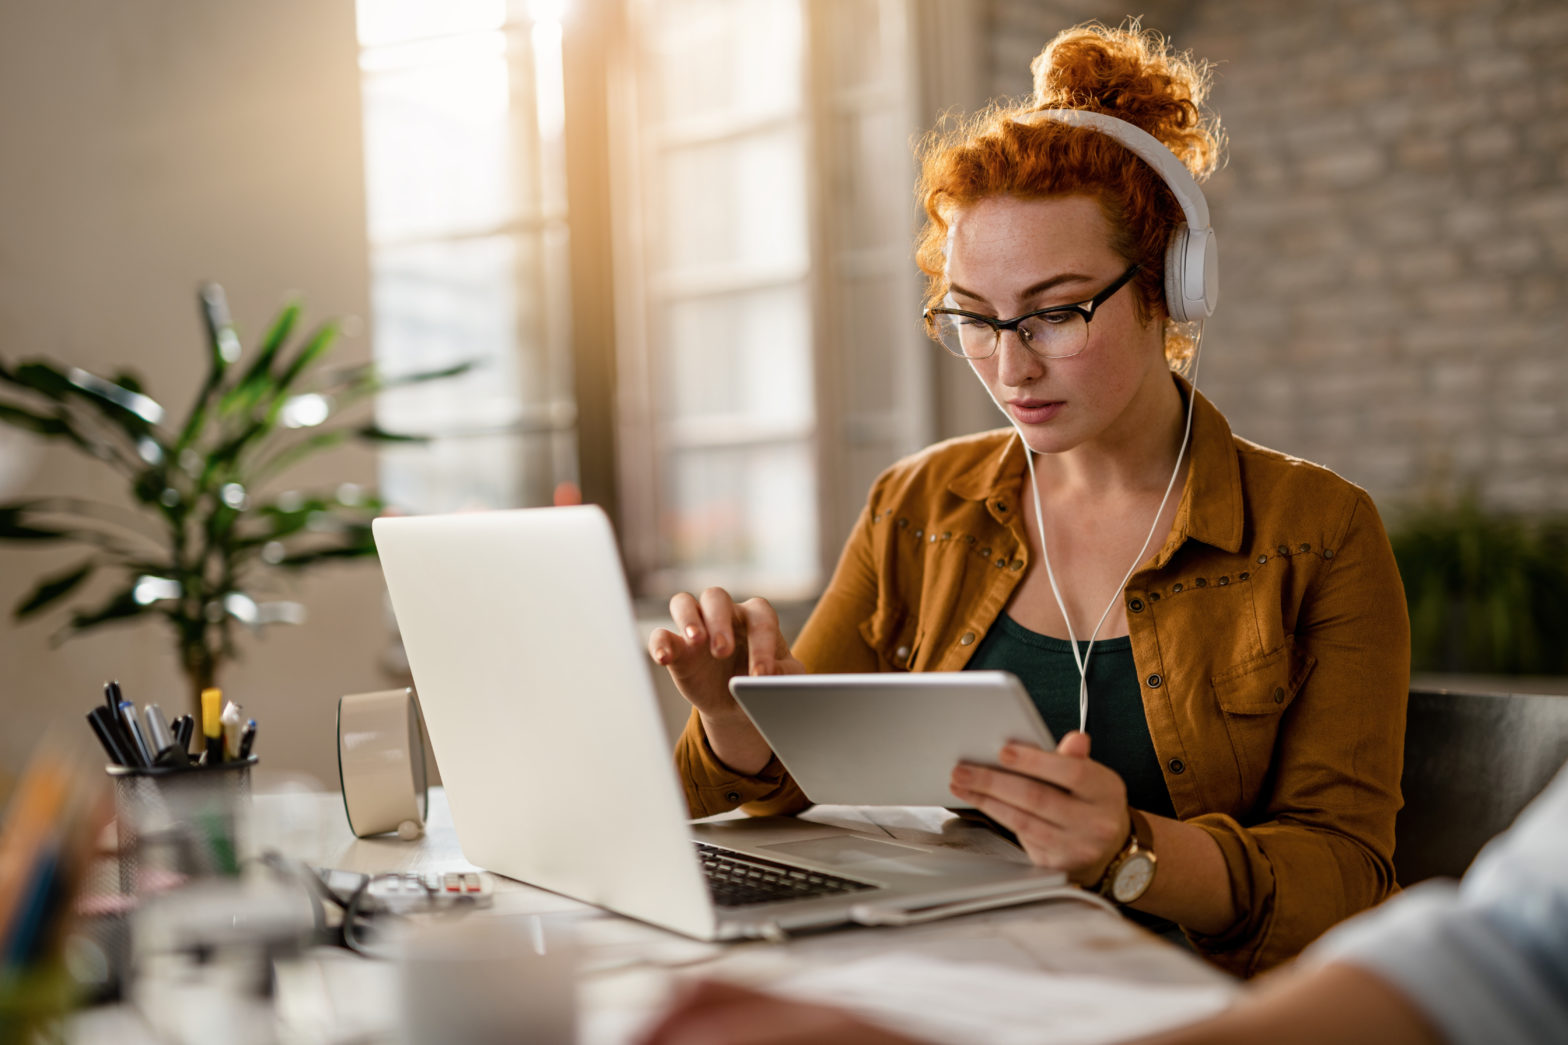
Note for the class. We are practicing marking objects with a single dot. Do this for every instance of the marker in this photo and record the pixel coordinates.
(159, 737)
(211, 727)
(231, 720)
(134, 730)
(247, 738)
(104, 725)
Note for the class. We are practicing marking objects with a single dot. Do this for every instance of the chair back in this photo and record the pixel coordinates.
(1472, 762)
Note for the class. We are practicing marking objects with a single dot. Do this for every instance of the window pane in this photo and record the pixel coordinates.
(872, 155)
(745, 513)
(746, 355)
(739, 202)
(395, 21)
(438, 151)
(439, 304)
(724, 57)
(453, 474)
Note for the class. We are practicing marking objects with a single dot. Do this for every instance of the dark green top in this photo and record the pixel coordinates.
(1119, 734)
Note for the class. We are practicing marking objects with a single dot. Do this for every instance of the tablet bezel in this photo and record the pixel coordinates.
(888, 739)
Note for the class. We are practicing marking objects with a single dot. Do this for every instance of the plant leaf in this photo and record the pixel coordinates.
(13, 528)
(121, 606)
(376, 434)
(250, 388)
(52, 589)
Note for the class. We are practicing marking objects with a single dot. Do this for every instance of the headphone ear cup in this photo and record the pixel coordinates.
(1176, 274)
(1191, 274)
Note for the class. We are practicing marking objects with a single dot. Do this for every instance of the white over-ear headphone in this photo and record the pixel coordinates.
(1192, 261)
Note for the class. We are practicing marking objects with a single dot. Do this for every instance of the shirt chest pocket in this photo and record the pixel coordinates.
(1254, 698)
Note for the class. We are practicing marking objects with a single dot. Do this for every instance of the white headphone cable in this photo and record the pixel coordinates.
(1082, 660)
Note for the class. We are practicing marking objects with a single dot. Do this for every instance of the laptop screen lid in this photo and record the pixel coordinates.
(540, 708)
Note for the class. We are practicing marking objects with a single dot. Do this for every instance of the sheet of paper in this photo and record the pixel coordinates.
(988, 1004)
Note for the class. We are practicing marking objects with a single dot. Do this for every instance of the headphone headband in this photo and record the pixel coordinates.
(1192, 257)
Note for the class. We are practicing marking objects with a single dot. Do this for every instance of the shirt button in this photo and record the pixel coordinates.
(1176, 586)
(1000, 563)
(1154, 681)
(966, 639)
(1262, 559)
(932, 538)
(732, 796)
(1224, 581)
(1282, 550)
(1154, 596)
(1201, 582)
(986, 551)
(919, 534)
(1177, 766)
(902, 522)
(1016, 565)
(1136, 605)
(1328, 553)
(901, 654)
(1279, 695)
(1306, 547)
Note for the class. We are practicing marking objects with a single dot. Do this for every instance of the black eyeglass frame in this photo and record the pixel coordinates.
(1086, 309)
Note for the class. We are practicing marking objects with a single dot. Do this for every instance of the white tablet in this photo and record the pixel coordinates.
(888, 739)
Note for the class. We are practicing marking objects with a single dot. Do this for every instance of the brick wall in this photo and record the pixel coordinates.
(1393, 223)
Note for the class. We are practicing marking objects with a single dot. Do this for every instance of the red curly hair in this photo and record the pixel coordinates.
(1127, 72)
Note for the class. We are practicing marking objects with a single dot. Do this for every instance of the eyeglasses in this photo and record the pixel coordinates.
(1055, 333)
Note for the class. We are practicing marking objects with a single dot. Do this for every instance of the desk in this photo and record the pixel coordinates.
(629, 969)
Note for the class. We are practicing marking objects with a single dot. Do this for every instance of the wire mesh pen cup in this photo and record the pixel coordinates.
(178, 823)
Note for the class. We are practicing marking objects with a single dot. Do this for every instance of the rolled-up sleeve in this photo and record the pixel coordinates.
(1485, 960)
(830, 641)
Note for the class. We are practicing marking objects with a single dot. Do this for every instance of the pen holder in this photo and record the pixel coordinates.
(178, 823)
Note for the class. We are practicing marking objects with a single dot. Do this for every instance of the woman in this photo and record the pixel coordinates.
(1245, 683)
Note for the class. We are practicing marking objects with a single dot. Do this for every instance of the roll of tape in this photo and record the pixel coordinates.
(381, 763)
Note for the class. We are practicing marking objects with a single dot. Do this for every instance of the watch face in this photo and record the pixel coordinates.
(1132, 878)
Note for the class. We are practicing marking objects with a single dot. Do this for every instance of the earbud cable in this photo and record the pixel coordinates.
(1082, 660)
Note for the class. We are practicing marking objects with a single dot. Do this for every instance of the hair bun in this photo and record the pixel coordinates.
(1132, 74)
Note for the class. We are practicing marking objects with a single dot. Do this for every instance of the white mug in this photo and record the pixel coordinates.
(381, 763)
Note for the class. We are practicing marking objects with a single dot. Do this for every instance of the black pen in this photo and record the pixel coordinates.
(183, 727)
(103, 725)
(128, 720)
(247, 738)
(112, 697)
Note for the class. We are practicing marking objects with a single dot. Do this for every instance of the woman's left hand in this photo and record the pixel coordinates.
(1069, 813)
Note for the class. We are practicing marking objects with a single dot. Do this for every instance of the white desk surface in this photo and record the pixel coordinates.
(629, 969)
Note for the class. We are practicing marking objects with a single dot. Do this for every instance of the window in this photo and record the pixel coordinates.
(771, 351)
(468, 241)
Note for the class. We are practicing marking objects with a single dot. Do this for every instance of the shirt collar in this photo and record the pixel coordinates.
(1211, 503)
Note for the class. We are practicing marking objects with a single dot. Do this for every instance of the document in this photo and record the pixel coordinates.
(990, 1004)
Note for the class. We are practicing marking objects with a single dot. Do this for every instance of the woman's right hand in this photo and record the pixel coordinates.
(714, 640)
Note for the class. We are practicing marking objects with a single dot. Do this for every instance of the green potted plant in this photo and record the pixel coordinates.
(205, 533)
(1487, 592)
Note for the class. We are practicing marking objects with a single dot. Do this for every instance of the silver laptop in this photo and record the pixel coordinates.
(540, 706)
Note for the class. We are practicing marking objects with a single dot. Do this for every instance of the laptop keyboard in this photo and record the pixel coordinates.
(736, 881)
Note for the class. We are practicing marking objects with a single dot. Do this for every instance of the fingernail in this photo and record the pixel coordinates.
(691, 631)
(721, 648)
(661, 657)
(963, 775)
(1009, 754)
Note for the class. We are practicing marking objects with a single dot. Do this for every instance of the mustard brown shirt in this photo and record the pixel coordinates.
(1269, 633)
